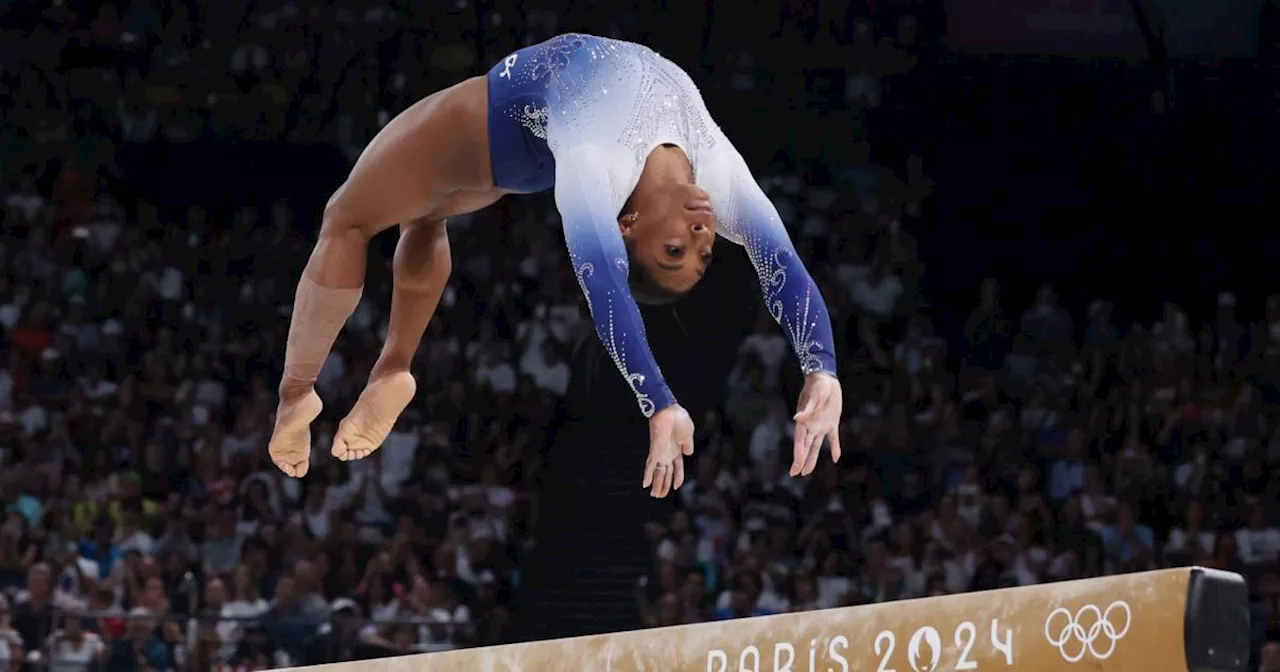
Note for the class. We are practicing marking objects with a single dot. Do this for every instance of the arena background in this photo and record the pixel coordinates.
(178, 157)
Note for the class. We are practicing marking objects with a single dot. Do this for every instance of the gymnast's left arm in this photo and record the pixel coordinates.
(584, 197)
(794, 301)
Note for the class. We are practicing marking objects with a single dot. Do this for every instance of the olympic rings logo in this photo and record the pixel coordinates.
(1090, 630)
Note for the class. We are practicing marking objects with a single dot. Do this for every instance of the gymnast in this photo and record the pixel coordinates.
(644, 179)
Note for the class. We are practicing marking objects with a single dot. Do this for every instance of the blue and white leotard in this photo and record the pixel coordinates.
(582, 114)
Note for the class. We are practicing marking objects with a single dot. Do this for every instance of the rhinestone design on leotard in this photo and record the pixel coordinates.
(612, 337)
(800, 313)
(749, 219)
(534, 119)
(666, 110)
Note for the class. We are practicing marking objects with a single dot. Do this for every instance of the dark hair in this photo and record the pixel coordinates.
(646, 290)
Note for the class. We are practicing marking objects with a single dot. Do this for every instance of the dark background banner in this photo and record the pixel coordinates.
(1101, 28)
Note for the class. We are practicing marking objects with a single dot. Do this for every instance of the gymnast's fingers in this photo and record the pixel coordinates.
(649, 467)
(814, 450)
(798, 453)
(679, 473)
(660, 478)
(835, 444)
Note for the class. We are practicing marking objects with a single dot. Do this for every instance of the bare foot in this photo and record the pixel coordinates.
(290, 445)
(373, 416)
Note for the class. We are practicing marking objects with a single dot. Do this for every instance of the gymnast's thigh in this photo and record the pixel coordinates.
(430, 160)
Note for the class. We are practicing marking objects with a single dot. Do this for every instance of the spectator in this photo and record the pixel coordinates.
(1257, 542)
(11, 643)
(1270, 658)
(34, 612)
(1047, 323)
(1190, 542)
(285, 623)
(1127, 541)
(140, 649)
(222, 550)
(74, 649)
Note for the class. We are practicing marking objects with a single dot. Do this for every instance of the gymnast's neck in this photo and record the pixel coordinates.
(666, 165)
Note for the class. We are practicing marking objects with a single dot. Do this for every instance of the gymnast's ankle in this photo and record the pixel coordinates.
(291, 389)
(386, 367)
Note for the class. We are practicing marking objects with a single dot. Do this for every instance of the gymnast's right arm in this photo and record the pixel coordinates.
(599, 259)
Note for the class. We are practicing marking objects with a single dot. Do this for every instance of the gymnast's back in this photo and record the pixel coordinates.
(581, 93)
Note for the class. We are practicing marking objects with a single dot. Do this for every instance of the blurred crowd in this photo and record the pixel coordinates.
(1046, 446)
(139, 347)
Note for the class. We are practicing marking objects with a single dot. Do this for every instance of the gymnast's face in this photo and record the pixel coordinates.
(670, 233)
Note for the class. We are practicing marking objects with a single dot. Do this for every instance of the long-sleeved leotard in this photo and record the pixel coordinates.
(602, 107)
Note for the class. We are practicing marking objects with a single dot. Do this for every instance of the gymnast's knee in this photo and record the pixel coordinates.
(342, 222)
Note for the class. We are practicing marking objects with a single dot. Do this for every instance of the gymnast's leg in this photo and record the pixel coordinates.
(420, 270)
(327, 294)
(416, 165)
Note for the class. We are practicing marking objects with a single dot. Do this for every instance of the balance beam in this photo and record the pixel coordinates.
(1189, 619)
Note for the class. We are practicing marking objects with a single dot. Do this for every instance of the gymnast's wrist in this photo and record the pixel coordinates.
(824, 363)
(822, 372)
(661, 401)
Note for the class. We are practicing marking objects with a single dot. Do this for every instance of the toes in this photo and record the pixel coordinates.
(343, 450)
(351, 443)
(339, 447)
(294, 469)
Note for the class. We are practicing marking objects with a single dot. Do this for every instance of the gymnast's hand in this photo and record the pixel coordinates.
(821, 402)
(670, 439)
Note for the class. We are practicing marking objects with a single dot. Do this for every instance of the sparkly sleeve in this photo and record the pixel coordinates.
(584, 197)
(749, 219)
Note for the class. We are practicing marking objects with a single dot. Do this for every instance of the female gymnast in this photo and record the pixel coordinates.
(643, 179)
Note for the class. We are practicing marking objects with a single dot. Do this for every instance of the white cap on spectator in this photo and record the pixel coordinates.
(880, 514)
(667, 550)
(439, 615)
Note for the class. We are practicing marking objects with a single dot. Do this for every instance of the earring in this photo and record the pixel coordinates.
(631, 218)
